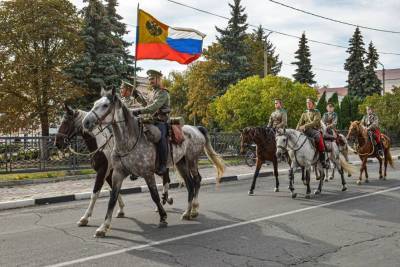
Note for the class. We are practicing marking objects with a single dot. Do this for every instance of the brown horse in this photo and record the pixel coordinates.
(264, 138)
(367, 150)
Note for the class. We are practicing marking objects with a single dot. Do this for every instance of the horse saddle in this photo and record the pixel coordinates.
(176, 132)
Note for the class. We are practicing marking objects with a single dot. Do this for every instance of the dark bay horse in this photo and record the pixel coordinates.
(264, 138)
(367, 150)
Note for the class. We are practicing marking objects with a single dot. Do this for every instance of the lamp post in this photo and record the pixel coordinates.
(266, 55)
(383, 77)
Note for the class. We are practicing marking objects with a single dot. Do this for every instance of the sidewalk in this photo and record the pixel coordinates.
(36, 191)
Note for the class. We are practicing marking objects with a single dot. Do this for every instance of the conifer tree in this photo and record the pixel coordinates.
(303, 73)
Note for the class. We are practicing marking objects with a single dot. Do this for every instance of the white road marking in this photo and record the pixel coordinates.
(161, 242)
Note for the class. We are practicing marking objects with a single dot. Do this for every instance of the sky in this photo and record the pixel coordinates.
(373, 13)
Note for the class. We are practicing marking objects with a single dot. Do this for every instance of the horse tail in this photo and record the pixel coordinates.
(346, 166)
(389, 158)
(212, 155)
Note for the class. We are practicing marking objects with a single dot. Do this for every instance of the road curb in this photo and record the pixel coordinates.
(137, 189)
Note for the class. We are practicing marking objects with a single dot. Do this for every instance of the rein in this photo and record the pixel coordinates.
(368, 138)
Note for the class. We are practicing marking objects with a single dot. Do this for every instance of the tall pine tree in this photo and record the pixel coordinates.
(355, 65)
(321, 105)
(372, 85)
(233, 54)
(258, 42)
(105, 61)
(303, 73)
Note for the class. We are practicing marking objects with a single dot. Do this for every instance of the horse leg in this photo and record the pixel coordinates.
(344, 187)
(98, 184)
(121, 204)
(183, 170)
(275, 163)
(291, 179)
(362, 167)
(151, 184)
(117, 178)
(366, 172)
(332, 174)
(194, 171)
(256, 173)
(380, 168)
(321, 181)
(386, 163)
(308, 191)
(166, 181)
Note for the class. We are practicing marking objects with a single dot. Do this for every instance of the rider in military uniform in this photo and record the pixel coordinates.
(278, 118)
(310, 124)
(126, 94)
(371, 121)
(159, 109)
(330, 119)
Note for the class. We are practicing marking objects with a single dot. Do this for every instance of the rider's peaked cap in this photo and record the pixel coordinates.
(312, 99)
(154, 73)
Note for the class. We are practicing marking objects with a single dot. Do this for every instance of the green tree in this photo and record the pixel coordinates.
(38, 39)
(303, 72)
(258, 42)
(177, 84)
(372, 85)
(349, 111)
(251, 101)
(321, 105)
(355, 65)
(233, 54)
(106, 60)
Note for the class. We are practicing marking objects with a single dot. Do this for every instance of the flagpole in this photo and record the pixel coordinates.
(136, 45)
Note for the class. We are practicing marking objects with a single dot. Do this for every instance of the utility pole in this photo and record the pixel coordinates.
(266, 55)
(383, 77)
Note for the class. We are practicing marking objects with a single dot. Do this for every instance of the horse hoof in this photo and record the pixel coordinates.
(100, 234)
(194, 215)
(121, 214)
(83, 222)
(326, 180)
(276, 189)
(307, 196)
(384, 178)
(381, 178)
(156, 210)
(294, 195)
(170, 201)
(185, 217)
(344, 188)
(358, 182)
(163, 224)
(349, 175)
(317, 192)
(251, 193)
(331, 178)
(366, 181)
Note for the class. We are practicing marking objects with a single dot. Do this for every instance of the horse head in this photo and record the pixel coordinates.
(354, 130)
(102, 112)
(246, 138)
(281, 140)
(69, 128)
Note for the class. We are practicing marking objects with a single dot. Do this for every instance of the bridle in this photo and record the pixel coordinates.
(286, 146)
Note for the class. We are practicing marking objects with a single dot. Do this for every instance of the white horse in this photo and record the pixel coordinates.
(134, 154)
(303, 153)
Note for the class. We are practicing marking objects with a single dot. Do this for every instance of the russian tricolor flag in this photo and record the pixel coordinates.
(156, 40)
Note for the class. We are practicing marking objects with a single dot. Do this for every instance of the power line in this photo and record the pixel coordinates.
(270, 30)
(314, 68)
(334, 20)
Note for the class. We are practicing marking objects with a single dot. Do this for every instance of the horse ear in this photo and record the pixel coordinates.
(68, 109)
(113, 91)
(103, 92)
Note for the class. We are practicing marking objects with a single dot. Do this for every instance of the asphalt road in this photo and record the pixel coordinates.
(360, 227)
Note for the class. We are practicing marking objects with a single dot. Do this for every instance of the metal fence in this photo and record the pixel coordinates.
(32, 154)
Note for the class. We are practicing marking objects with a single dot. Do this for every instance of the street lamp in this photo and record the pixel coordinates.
(383, 77)
(266, 55)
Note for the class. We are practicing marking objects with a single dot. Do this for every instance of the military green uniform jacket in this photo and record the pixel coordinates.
(370, 121)
(278, 119)
(330, 119)
(159, 107)
(310, 119)
(128, 101)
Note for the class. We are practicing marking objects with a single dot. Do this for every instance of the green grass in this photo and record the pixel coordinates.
(53, 174)
(43, 175)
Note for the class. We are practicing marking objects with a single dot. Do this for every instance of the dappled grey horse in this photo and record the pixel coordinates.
(134, 154)
(304, 154)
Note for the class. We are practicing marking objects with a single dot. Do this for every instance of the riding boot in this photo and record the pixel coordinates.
(322, 159)
(162, 151)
